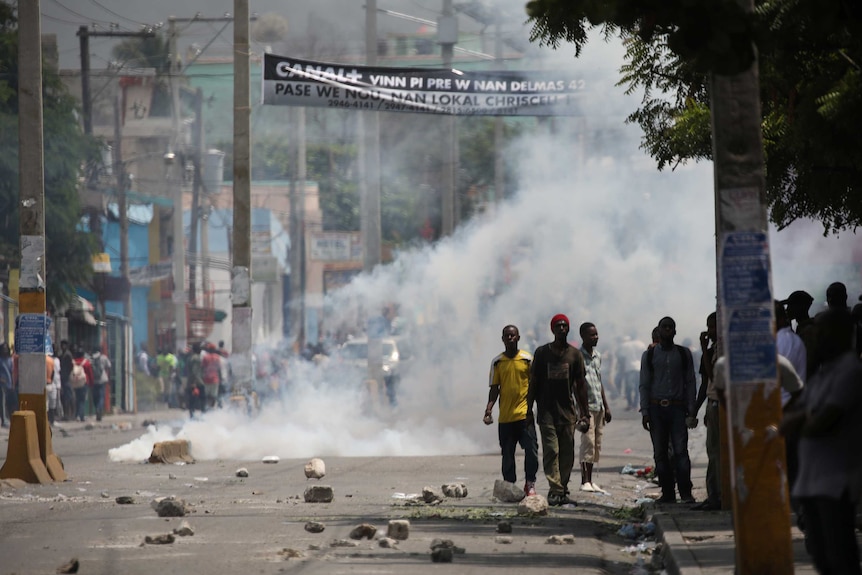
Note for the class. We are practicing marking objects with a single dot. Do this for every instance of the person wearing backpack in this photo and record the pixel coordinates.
(81, 380)
(668, 408)
(101, 375)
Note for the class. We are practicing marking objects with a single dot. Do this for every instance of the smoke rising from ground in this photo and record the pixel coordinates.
(595, 232)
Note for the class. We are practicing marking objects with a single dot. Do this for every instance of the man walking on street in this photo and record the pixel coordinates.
(667, 391)
(556, 382)
(67, 396)
(600, 413)
(510, 380)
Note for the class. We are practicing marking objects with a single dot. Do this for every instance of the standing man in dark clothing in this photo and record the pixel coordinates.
(668, 395)
(707, 393)
(196, 390)
(510, 381)
(67, 396)
(797, 304)
(557, 380)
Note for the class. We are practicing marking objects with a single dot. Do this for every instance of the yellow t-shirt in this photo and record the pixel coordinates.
(512, 375)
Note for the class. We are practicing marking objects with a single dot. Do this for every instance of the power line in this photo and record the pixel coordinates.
(87, 18)
(106, 9)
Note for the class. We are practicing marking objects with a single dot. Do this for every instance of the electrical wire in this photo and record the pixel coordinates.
(106, 9)
(78, 14)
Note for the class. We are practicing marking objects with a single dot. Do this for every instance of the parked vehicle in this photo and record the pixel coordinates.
(351, 360)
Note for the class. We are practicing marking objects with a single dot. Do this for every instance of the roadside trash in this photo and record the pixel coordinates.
(637, 531)
(270, 459)
(627, 450)
(642, 547)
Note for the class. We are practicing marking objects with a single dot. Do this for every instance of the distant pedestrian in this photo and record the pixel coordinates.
(81, 380)
(797, 305)
(597, 403)
(509, 381)
(629, 354)
(101, 377)
(67, 396)
(829, 420)
(195, 385)
(556, 383)
(668, 396)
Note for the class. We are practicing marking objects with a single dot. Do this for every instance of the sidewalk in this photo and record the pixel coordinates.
(702, 542)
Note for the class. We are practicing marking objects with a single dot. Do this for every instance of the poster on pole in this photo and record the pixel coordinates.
(295, 82)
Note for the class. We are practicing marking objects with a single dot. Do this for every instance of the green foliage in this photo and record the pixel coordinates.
(69, 251)
(810, 64)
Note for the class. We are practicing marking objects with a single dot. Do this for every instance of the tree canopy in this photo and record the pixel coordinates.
(810, 61)
(69, 250)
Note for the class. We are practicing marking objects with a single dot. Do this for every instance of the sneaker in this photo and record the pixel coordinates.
(688, 499)
(588, 487)
(530, 488)
(666, 499)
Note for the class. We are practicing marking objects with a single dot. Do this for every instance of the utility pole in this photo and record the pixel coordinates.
(120, 173)
(174, 166)
(179, 257)
(447, 37)
(297, 230)
(29, 429)
(759, 491)
(371, 143)
(498, 120)
(196, 194)
(240, 284)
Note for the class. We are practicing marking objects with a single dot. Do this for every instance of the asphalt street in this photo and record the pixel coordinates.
(257, 524)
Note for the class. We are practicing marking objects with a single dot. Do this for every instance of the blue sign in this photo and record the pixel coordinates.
(751, 345)
(745, 269)
(31, 333)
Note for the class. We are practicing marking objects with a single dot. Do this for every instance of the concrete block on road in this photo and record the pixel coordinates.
(318, 494)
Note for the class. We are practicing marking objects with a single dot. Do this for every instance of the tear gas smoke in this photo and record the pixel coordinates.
(595, 232)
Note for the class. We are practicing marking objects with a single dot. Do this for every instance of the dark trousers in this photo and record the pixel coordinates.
(511, 435)
(830, 534)
(197, 398)
(80, 402)
(631, 380)
(713, 452)
(8, 403)
(99, 399)
(667, 429)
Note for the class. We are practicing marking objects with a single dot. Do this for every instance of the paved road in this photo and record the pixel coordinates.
(253, 524)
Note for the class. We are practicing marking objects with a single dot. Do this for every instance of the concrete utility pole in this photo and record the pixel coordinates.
(447, 37)
(174, 167)
(297, 231)
(498, 120)
(240, 279)
(30, 456)
(196, 197)
(371, 143)
(757, 459)
(122, 207)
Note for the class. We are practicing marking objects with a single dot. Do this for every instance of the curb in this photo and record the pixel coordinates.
(678, 558)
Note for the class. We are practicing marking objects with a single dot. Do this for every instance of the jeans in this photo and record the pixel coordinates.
(80, 402)
(511, 435)
(99, 399)
(558, 455)
(632, 386)
(667, 428)
(713, 452)
(830, 534)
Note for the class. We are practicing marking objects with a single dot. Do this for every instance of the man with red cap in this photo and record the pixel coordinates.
(557, 381)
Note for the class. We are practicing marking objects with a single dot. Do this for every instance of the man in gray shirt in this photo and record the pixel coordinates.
(668, 408)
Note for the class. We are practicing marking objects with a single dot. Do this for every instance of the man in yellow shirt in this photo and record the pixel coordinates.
(509, 381)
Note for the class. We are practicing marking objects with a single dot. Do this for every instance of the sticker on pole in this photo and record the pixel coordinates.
(745, 269)
(31, 333)
(751, 345)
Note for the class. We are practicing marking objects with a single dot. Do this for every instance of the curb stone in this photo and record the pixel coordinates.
(678, 558)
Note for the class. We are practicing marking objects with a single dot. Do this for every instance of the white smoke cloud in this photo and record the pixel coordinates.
(594, 232)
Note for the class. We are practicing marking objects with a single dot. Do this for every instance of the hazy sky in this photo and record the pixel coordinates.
(602, 237)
